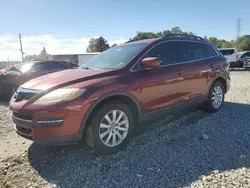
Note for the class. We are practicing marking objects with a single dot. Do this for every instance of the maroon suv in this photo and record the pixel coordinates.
(105, 99)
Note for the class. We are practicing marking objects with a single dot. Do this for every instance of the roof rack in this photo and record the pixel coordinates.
(130, 41)
(182, 36)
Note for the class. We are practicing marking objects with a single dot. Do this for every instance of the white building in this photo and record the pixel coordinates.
(75, 58)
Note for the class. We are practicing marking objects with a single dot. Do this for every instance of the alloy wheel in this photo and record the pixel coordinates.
(114, 128)
(217, 97)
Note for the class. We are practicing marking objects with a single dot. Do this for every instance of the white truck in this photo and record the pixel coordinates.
(232, 55)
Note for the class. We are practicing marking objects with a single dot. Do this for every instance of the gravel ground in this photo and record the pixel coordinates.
(187, 149)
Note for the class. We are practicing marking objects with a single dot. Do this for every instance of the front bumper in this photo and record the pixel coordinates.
(24, 128)
(60, 125)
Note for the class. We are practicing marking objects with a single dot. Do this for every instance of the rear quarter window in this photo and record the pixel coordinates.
(209, 51)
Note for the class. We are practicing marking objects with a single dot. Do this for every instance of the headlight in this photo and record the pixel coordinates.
(60, 95)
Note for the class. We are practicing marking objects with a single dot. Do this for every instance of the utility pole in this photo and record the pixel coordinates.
(238, 32)
(21, 46)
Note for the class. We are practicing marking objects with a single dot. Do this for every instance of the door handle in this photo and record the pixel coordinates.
(211, 65)
(180, 72)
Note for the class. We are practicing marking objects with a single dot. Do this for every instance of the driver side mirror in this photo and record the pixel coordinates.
(151, 62)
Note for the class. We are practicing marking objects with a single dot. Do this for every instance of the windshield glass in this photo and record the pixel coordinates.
(114, 58)
(23, 67)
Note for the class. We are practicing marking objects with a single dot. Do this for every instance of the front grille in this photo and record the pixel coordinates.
(247, 61)
(22, 116)
(24, 94)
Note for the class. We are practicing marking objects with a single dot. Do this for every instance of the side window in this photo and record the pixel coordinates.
(246, 55)
(38, 67)
(209, 51)
(58, 66)
(166, 52)
(190, 51)
(52, 66)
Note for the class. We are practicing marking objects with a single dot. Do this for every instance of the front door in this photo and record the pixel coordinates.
(163, 86)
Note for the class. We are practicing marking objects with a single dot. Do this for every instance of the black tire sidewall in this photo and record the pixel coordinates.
(97, 144)
(209, 100)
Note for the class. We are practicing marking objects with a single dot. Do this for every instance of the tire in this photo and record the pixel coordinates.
(9, 91)
(95, 131)
(242, 65)
(210, 105)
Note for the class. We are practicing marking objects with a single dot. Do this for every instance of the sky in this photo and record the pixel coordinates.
(65, 27)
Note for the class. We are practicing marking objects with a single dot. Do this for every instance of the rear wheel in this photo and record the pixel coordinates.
(215, 98)
(110, 128)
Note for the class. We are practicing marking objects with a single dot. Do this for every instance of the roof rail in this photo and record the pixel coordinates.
(182, 36)
(129, 41)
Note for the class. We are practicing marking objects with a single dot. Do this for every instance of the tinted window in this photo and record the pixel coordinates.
(57, 66)
(166, 52)
(209, 51)
(246, 55)
(190, 51)
(227, 52)
(38, 67)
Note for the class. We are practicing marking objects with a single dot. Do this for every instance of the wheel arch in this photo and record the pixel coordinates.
(122, 96)
(220, 79)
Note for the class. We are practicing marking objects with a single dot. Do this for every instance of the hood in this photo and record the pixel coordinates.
(11, 70)
(62, 77)
(2, 71)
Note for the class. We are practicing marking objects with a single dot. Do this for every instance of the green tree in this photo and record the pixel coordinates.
(38, 57)
(159, 34)
(97, 45)
(227, 44)
(215, 41)
(144, 35)
(244, 43)
(176, 30)
(166, 32)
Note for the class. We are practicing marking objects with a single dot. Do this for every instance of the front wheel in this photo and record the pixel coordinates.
(242, 65)
(215, 97)
(110, 129)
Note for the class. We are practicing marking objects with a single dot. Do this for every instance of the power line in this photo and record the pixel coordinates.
(238, 31)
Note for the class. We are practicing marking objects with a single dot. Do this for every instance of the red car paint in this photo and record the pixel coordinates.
(150, 90)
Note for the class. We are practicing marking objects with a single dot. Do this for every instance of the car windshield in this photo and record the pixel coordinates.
(115, 57)
(23, 67)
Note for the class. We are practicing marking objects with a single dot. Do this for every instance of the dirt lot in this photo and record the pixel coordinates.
(187, 149)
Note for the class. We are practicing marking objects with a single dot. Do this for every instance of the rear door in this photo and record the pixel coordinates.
(195, 68)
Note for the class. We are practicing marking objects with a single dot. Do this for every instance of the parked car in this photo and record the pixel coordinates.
(106, 98)
(12, 77)
(242, 56)
(247, 62)
(232, 56)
